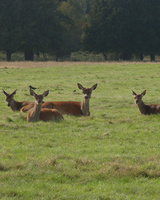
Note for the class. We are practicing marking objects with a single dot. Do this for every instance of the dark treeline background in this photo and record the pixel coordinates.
(123, 28)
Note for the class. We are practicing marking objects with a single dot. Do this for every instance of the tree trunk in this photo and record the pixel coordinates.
(28, 55)
(105, 56)
(152, 57)
(141, 56)
(8, 55)
(37, 54)
(57, 57)
(126, 55)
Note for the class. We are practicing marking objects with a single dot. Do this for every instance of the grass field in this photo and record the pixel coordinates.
(114, 154)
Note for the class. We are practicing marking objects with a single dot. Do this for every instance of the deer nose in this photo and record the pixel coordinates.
(8, 104)
(86, 97)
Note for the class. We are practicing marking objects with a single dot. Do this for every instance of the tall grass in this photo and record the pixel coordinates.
(113, 154)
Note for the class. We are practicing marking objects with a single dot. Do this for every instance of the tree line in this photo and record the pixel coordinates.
(58, 27)
(41, 26)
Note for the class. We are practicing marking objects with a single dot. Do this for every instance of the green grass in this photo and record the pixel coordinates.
(114, 154)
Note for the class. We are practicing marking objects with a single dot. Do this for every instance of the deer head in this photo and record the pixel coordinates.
(39, 98)
(138, 97)
(86, 91)
(9, 97)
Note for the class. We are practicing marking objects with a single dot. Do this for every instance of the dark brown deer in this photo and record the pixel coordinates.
(143, 108)
(37, 113)
(15, 105)
(70, 107)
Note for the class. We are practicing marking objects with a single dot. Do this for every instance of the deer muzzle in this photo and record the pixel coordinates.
(86, 97)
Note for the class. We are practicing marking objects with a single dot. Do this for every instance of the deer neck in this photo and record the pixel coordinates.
(35, 112)
(14, 105)
(85, 107)
(142, 107)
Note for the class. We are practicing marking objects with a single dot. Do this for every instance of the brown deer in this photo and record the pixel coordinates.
(37, 113)
(15, 105)
(143, 108)
(70, 107)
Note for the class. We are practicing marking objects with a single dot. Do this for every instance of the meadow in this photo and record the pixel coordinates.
(114, 154)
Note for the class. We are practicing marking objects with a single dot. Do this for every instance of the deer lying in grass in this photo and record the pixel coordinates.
(70, 107)
(37, 113)
(15, 105)
(145, 109)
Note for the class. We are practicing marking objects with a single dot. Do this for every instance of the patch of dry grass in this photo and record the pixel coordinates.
(42, 64)
(33, 64)
(148, 168)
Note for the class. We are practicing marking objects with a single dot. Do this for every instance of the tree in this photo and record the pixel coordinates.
(10, 30)
(127, 26)
(143, 26)
(99, 35)
(51, 26)
(41, 27)
(31, 26)
(152, 28)
(74, 9)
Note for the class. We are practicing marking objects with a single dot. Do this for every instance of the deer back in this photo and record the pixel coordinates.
(65, 107)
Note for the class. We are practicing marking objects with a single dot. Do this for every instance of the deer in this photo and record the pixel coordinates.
(143, 108)
(15, 105)
(37, 113)
(70, 107)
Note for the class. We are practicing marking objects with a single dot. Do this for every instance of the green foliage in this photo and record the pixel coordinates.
(39, 26)
(76, 11)
(128, 27)
(86, 56)
(10, 30)
(112, 154)
(31, 26)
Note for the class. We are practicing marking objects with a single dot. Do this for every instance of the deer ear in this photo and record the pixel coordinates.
(5, 93)
(133, 93)
(80, 86)
(14, 92)
(94, 87)
(45, 93)
(143, 93)
(32, 93)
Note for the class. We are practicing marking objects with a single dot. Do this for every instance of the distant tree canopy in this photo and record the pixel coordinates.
(59, 27)
(47, 26)
(125, 26)
(30, 26)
